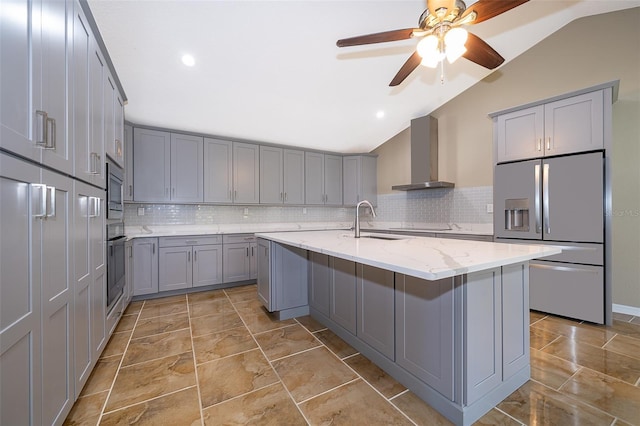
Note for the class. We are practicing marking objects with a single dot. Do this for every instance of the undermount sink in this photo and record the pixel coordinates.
(379, 237)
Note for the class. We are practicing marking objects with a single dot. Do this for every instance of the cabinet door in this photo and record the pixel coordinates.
(314, 192)
(246, 173)
(520, 134)
(343, 293)
(54, 60)
(290, 274)
(145, 266)
(207, 265)
(57, 299)
(119, 129)
(333, 180)
(186, 168)
(151, 165)
(271, 169)
(369, 180)
(97, 230)
(319, 283)
(351, 176)
(128, 286)
(515, 319)
(109, 115)
(376, 310)
(218, 171)
(424, 330)
(19, 290)
(128, 163)
(17, 107)
(575, 124)
(98, 118)
(175, 270)
(254, 260)
(293, 176)
(237, 262)
(264, 274)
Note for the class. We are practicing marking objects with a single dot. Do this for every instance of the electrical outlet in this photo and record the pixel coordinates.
(140, 211)
(489, 208)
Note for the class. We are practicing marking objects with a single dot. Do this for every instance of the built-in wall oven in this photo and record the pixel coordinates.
(115, 198)
(115, 262)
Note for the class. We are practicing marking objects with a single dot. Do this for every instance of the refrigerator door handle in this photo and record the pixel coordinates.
(536, 198)
(545, 194)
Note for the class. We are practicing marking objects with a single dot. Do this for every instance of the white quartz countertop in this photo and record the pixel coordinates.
(427, 258)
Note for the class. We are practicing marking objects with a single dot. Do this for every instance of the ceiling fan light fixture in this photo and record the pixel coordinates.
(428, 46)
(454, 41)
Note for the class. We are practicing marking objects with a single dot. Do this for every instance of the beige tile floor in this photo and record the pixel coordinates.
(217, 358)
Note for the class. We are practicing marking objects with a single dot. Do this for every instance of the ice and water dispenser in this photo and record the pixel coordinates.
(516, 214)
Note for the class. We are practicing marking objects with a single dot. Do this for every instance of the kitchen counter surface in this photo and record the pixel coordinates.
(480, 229)
(427, 258)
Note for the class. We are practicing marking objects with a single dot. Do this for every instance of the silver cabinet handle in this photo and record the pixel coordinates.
(173, 192)
(191, 242)
(545, 194)
(539, 144)
(230, 195)
(188, 256)
(235, 194)
(281, 197)
(153, 249)
(94, 160)
(50, 135)
(252, 252)
(564, 268)
(247, 251)
(130, 190)
(41, 129)
(549, 143)
(285, 196)
(42, 200)
(51, 196)
(536, 197)
(195, 255)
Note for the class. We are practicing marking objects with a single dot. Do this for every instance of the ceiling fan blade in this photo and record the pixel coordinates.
(481, 53)
(393, 35)
(487, 9)
(411, 64)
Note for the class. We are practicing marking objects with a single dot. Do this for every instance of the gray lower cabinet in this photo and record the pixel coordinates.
(376, 308)
(239, 257)
(343, 293)
(186, 262)
(424, 330)
(145, 266)
(282, 276)
(319, 283)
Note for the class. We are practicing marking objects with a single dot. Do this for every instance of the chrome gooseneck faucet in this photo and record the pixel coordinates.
(357, 224)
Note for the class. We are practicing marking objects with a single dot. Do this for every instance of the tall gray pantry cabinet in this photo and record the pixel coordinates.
(55, 123)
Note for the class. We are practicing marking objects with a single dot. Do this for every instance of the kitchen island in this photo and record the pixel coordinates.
(449, 319)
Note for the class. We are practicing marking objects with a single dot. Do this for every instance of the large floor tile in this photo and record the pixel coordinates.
(631, 329)
(351, 404)
(257, 318)
(496, 417)
(268, 406)
(611, 363)
(375, 376)
(157, 346)
(551, 370)
(541, 338)
(117, 344)
(210, 307)
(419, 411)
(310, 373)
(203, 296)
(134, 307)
(151, 379)
(229, 377)
(126, 323)
(338, 346)
(102, 376)
(209, 347)
(310, 324)
(164, 324)
(86, 410)
(625, 345)
(215, 322)
(593, 335)
(286, 341)
(177, 299)
(179, 408)
(608, 394)
(242, 294)
(535, 316)
(534, 404)
(160, 310)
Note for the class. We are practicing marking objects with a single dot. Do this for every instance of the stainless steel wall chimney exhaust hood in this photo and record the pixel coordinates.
(424, 156)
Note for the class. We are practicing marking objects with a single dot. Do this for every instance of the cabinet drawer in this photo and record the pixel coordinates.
(194, 240)
(238, 238)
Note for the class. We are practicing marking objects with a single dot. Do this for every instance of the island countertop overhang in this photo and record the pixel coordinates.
(422, 257)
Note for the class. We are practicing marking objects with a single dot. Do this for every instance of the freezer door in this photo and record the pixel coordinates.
(516, 200)
(573, 198)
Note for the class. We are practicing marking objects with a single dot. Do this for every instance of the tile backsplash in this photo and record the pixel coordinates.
(458, 205)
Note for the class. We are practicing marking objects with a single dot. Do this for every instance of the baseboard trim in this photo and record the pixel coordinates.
(629, 310)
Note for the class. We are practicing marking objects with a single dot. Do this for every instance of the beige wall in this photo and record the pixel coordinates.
(586, 52)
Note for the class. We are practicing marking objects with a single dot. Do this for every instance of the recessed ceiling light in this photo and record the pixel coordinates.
(380, 114)
(188, 60)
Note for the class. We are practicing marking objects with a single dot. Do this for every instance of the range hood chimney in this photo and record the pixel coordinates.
(424, 156)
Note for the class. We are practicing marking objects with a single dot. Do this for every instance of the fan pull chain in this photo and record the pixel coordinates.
(442, 72)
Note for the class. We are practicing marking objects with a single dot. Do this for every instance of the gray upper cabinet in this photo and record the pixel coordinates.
(218, 171)
(151, 165)
(281, 176)
(128, 163)
(573, 124)
(246, 173)
(360, 179)
(186, 168)
(167, 166)
(34, 82)
(90, 155)
(323, 179)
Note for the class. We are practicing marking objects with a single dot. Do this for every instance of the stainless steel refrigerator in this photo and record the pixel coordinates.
(558, 201)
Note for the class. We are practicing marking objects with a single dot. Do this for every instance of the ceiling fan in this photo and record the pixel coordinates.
(442, 36)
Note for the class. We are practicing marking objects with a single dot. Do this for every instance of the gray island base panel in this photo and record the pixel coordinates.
(461, 342)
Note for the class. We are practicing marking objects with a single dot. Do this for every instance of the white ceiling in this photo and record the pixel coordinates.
(270, 71)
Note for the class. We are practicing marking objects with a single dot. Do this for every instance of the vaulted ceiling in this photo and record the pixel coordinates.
(270, 71)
